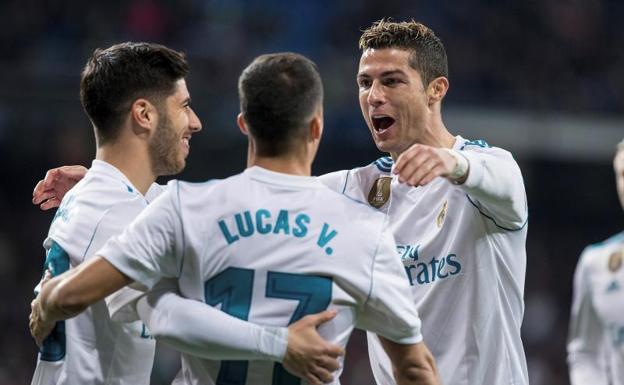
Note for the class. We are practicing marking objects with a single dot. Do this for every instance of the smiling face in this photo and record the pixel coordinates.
(177, 122)
(393, 98)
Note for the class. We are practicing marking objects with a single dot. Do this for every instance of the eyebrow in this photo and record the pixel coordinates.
(383, 74)
(186, 100)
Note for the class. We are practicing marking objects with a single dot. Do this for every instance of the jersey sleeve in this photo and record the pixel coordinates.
(586, 357)
(389, 310)
(151, 247)
(335, 180)
(195, 328)
(495, 186)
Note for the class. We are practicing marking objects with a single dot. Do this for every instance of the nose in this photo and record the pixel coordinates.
(194, 122)
(376, 96)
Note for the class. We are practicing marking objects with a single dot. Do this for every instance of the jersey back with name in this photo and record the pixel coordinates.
(271, 248)
(90, 348)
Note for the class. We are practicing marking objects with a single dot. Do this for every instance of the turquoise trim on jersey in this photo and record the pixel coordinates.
(344, 188)
(384, 163)
(494, 221)
(54, 346)
(479, 142)
(617, 238)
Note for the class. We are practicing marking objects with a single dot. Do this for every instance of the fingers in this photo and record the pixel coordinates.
(319, 376)
(50, 204)
(50, 178)
(37, 192)
(420, 164)
(322, 317)
(328, 363)
(334, 350)
(73, 172)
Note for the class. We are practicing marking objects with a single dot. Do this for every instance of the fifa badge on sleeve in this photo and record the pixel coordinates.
(380, 192)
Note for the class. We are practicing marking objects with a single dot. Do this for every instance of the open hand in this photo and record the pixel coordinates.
(308, 355)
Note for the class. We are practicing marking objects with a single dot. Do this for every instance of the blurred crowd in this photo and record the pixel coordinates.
(547, 56)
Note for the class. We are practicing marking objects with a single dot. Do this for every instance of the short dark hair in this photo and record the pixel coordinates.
(279, 94)
(427, 56)
(116, 76)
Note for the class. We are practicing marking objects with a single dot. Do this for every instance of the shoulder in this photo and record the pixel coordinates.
(603, 254)
(92, 203)
(481, 146)
(359, 178)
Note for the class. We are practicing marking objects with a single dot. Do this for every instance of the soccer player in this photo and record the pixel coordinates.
(596, 335)
(136, 97)
(269, 245)
(457, 209)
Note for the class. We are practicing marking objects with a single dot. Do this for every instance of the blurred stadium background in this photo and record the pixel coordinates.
(542, 79)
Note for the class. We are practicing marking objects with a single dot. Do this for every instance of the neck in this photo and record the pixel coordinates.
(132, 160)
(435, 134)
(293, 163)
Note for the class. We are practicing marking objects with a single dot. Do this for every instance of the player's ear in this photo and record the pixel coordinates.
(316, 125)
(242, 125)
(144, 116)
(437, 88)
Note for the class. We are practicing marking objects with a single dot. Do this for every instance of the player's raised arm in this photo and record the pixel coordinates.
(489, 176)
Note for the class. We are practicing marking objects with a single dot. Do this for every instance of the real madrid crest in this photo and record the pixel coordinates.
(380, 192)
(615, 260)
(442, 214)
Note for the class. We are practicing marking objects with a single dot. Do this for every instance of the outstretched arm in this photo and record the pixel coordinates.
(490, 177)
(213, 334)
(71, 293)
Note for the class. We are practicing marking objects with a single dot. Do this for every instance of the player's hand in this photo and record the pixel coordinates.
(308, 355)
(49, 191)
(39, 327)
(420, 164)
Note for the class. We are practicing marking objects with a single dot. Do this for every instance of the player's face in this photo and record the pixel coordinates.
(392, 98)
(618, 167)
(170, 144)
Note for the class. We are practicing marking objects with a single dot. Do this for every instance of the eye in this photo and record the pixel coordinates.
(364, 83)
(391, 82)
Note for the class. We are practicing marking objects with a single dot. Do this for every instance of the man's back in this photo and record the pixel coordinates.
(271, 248)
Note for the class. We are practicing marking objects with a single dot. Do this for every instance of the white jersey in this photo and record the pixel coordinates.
(463, 250)
(596, 335)
(270, 248)
(90, 348)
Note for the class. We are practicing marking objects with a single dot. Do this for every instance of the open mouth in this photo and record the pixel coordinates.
(382, 123)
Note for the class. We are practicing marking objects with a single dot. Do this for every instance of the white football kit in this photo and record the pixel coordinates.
(269, 248)
(90, 348)
(463, 251)
(596, 334)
